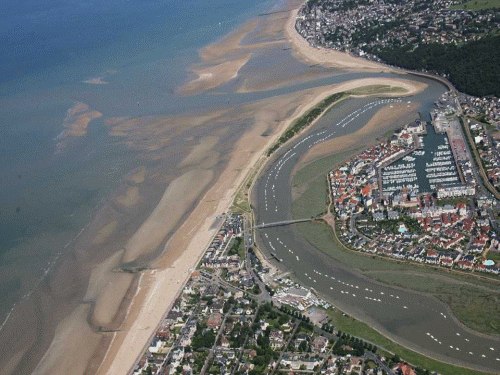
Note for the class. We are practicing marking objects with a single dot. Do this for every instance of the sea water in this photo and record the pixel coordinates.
(47, 50)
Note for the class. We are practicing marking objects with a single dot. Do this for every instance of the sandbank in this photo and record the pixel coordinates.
(96, 81)
(202, 154)
(383, 120)
(130, 198)
(72, 332)
(78, 118)
(214, 76)
(179, 196)
(221, 61)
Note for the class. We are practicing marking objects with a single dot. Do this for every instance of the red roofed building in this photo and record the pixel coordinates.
(366, 191)
(446, 262)
(468, 224)
(464, 265)
(432, 253)
(454, 241)
(404, 369)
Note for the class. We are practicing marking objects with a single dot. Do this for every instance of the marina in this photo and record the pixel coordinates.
(424, 169)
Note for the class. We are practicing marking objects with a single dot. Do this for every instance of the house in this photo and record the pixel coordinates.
(446, 262)
(404, 369)
(214, 321)
(319, 344)
(224, 342)
(276, 339)
(464, 265)
(300, 339)
(392, 215)
(217, 306)
(163, 334)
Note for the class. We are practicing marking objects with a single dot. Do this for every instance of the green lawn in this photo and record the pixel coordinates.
(478, 4)
(311, 183)
(494, 256)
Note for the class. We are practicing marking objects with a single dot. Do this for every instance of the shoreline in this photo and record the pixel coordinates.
(158, 287)
(194, 238)
(173, 276)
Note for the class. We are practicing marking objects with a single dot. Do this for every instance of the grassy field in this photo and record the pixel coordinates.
(321, 236)
(314, 202)
(478, 5)
(356, 328)
(494, 256)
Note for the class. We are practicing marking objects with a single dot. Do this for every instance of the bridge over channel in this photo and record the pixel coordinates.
(281, 223)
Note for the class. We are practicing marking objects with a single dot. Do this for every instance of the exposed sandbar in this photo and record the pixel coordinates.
(78, 118)
(179, 196)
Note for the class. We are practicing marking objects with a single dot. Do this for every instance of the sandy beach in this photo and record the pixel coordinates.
(129, 306)
(324, 57)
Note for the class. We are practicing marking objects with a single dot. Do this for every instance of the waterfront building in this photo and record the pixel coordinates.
(458, 190)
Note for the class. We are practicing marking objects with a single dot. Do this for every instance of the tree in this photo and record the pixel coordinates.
(303, 346)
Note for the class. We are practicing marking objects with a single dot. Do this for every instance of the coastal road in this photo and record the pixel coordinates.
(417, 321)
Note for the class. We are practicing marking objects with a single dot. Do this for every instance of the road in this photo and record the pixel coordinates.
(382, 365)
(417, 321)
